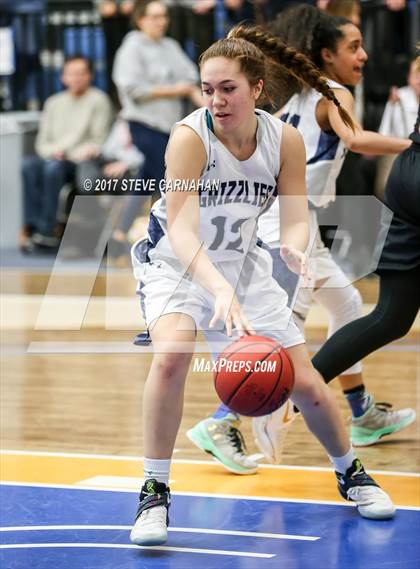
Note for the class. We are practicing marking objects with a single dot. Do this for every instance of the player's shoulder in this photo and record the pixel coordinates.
(270, 128)
(268, 118)
(184, 133)
(291, 135)
(186, 146)
(191, 129)
(340, 91)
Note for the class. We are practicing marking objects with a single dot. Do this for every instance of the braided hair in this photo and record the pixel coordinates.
(264, 56)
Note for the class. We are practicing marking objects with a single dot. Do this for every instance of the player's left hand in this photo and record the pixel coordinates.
(228, 310)
(297, 262)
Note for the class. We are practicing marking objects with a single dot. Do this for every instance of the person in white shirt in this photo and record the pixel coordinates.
(398, 117)
(201, 266)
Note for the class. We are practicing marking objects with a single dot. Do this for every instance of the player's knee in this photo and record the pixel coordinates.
(404, 327)
(347, 309)
(357, 301)
(309, 386)
(395, 328)
(389, 322)
(172, 366)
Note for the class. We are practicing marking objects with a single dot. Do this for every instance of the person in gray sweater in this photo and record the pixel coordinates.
(153, 76)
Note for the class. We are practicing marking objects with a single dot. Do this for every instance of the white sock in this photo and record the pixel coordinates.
(157, 468)
(343, 463)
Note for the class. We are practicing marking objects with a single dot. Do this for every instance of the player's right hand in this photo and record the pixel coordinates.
(228, 310)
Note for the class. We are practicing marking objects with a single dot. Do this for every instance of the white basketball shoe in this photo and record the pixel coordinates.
(270, 431)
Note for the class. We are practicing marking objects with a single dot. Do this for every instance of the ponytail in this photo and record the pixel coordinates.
(296, 63)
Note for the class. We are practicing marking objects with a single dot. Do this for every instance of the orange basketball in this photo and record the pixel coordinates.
(254, 376)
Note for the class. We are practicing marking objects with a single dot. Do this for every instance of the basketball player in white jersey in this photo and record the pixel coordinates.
(201, 265)
(337, 49)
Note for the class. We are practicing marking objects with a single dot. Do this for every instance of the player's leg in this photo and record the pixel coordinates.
(171, 306)
(219, 435)
(320, 408)
(322, 416)
(162, 412)
(270, 431)
(163, 393)
(370, 420)
(314, 399)
(392, 318)
(399, 296)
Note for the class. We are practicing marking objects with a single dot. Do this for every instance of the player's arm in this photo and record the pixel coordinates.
(359, 140)
(185, 161)
(291, 188)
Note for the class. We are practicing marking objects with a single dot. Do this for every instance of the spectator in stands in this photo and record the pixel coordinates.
(74, 125)
(154, 77)
(197, 23)
(107, 176)
(401, 110)
(399, 114)
(115, 21)
(273, 7)
(349, 9)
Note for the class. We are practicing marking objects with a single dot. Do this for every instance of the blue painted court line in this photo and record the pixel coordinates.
(345, 539)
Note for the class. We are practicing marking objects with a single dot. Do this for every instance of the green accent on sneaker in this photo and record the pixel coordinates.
(378, 422)
(199, 435)
(150, 487)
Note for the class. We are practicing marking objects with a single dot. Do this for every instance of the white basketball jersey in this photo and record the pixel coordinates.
(233, 193)
(325, 154)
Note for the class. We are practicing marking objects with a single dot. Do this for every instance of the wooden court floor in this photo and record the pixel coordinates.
(59, 393)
